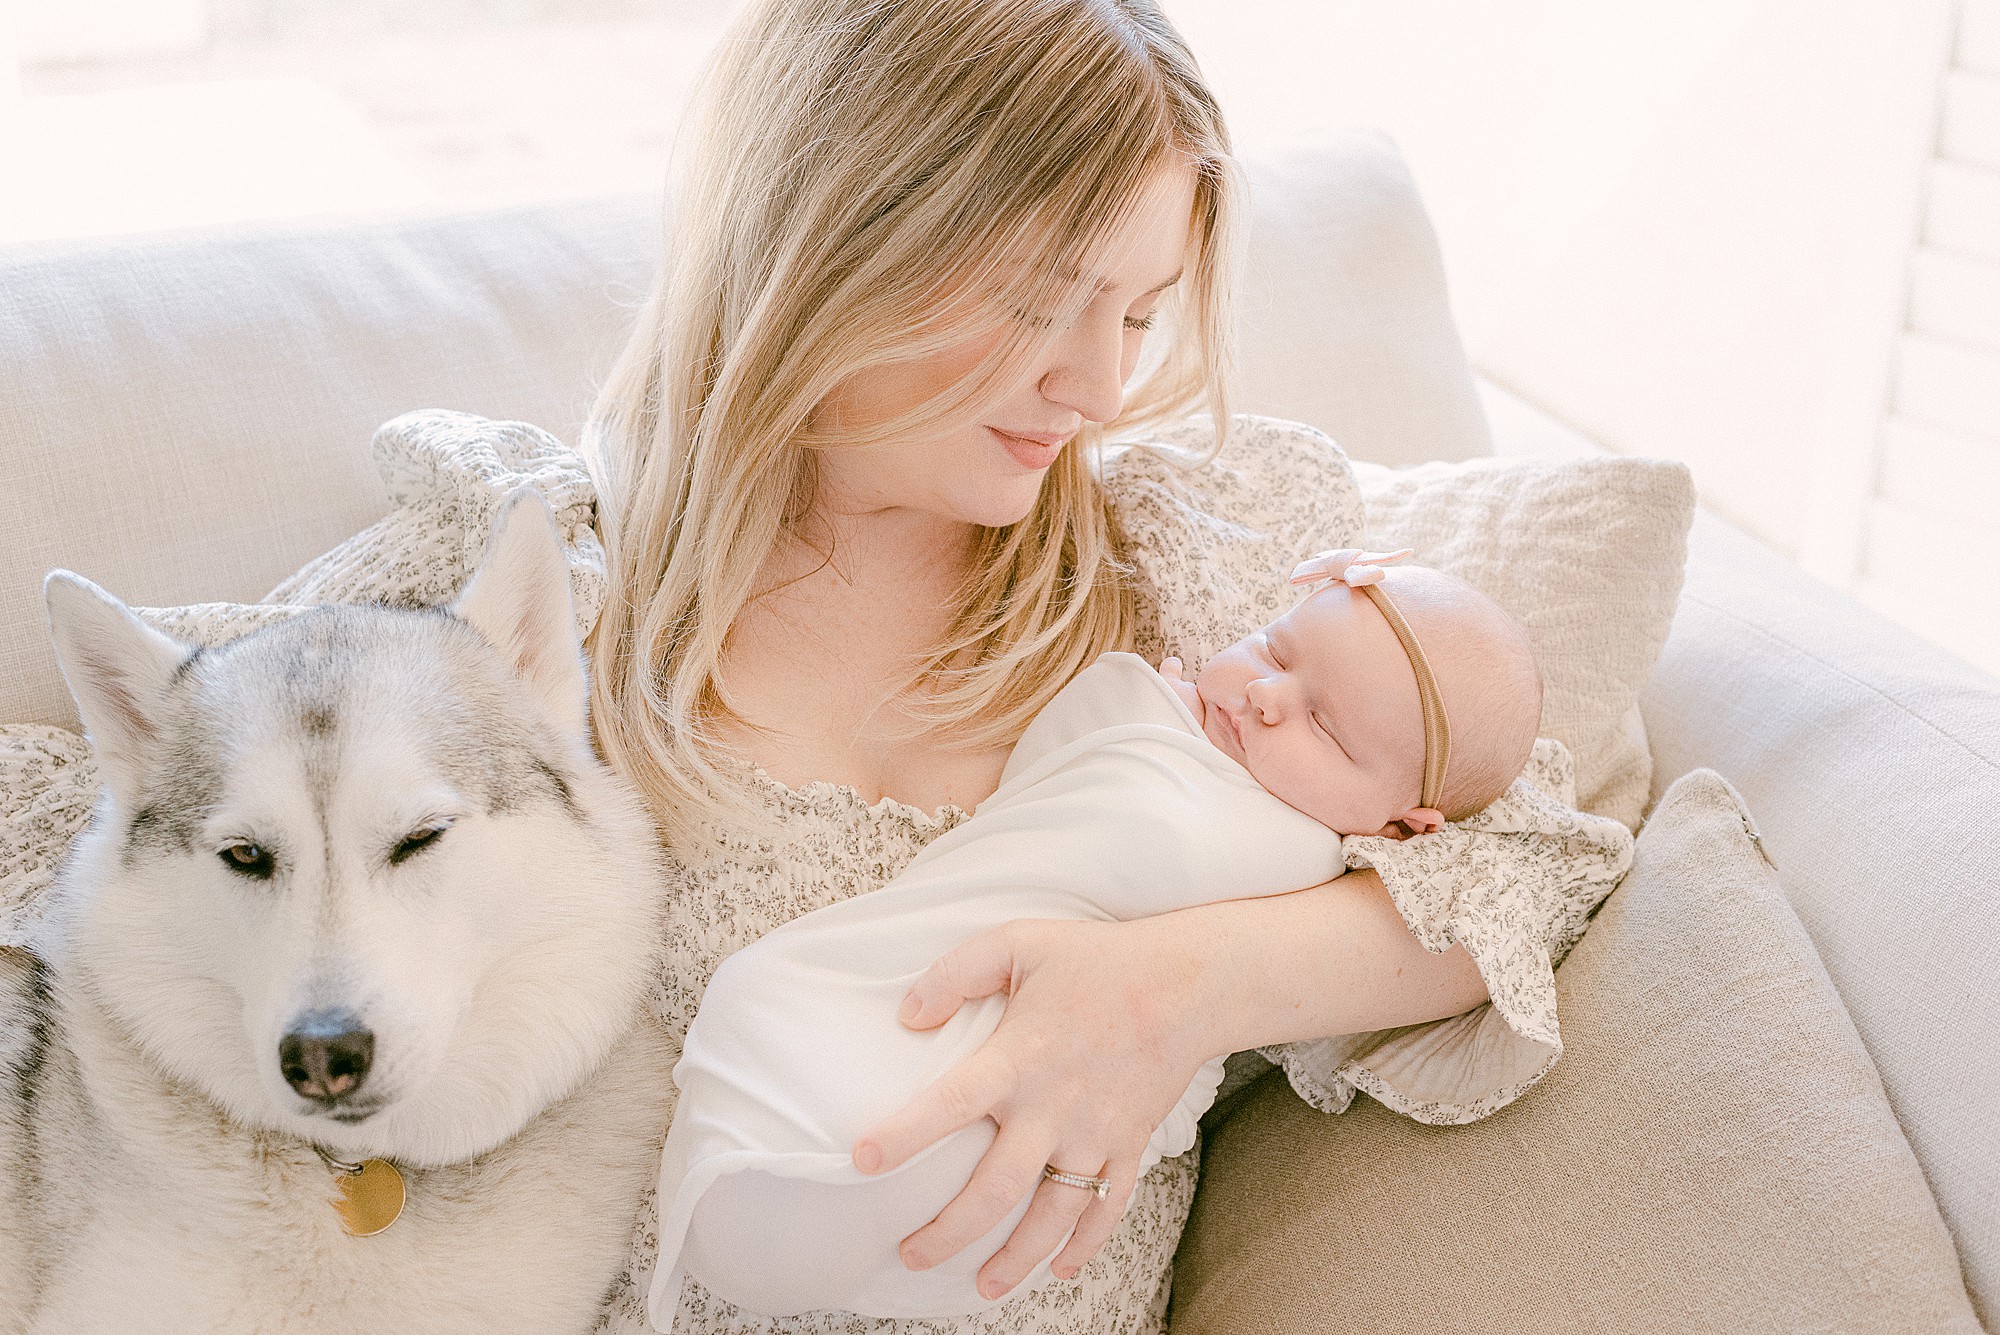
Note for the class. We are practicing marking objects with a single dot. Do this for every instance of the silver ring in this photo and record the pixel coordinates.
(1100, 1185)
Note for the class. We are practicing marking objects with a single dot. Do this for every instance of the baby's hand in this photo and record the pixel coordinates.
(1170, 668)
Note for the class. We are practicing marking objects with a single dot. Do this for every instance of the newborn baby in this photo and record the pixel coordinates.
(1385, 702)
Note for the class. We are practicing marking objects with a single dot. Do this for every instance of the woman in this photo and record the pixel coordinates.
(858, 532)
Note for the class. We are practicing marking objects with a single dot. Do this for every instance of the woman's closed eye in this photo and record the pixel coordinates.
(1135, 323)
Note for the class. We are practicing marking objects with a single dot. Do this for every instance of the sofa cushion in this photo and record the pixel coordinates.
(189, 416)
(1588, 555)
(1714, 1151)
(1344, 322)
(1872, 760)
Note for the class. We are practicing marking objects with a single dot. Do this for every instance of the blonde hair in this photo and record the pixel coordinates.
(874, 181)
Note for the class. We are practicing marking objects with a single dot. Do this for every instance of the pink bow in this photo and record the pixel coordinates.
(1350, 565)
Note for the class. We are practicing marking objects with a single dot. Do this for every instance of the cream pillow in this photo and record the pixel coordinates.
(1714, 1152)
(1588, 554)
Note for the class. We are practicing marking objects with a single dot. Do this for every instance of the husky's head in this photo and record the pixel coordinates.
(358, 876)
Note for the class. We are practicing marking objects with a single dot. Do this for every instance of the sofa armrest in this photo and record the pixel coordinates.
(1869, 758)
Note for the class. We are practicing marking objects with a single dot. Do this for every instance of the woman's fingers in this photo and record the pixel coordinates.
(1050, 1216)
(1099, 1218)
(958, 1098)
(980, 967)
(1011, 1169)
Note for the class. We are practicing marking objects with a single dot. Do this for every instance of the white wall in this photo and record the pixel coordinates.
(10, 102)
(1675, 226)
(102, 29)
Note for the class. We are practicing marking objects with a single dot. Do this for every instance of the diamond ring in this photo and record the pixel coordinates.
(1100, 1185)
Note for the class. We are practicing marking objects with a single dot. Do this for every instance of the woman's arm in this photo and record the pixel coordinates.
(1335, 959)
(1106, 1025)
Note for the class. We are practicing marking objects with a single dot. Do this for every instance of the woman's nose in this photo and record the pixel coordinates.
(1088, 375)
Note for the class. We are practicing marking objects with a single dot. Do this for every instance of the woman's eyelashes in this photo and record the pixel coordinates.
(1135, 323)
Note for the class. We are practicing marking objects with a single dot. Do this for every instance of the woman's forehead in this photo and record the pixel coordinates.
(1153, 241)
(1144, 253)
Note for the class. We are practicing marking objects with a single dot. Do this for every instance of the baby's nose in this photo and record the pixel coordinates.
(1265, 698)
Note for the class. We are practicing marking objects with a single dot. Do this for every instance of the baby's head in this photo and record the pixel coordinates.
(1322, 706)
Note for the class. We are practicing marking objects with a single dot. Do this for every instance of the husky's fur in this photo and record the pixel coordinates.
(157, 1167)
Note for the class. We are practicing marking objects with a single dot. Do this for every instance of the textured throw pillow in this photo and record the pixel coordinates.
(1588, 554)
(448, 474)
(1715, 1152)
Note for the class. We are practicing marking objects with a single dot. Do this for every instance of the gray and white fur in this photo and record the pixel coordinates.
(356, 881)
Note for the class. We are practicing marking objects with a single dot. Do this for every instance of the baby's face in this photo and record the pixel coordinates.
(1321, 707)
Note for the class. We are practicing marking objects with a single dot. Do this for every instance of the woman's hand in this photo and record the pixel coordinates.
(1101, 1034)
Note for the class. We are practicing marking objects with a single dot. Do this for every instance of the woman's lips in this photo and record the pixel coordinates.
(1031, 454)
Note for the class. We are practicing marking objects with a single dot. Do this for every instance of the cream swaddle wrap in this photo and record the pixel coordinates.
(1112, 806)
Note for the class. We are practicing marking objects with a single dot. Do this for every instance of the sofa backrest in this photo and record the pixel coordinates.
(187, 417)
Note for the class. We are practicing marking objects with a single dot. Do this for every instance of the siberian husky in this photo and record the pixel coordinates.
(357, 893)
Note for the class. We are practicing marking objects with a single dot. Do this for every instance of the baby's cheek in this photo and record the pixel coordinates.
(1300, 785)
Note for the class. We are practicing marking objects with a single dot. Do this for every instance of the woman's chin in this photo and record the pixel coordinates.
(1006, 504)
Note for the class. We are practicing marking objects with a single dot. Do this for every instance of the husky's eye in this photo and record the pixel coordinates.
(416, 841)
(247, 860)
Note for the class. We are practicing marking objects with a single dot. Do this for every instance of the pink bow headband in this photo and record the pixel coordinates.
(1363, 570)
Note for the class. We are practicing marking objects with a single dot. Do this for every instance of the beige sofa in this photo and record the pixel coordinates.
(187, 417)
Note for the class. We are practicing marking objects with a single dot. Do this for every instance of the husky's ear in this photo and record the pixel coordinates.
(117, 667)
(518, 600)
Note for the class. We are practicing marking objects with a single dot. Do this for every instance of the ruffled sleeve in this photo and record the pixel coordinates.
(1515, 884)
(47, 784)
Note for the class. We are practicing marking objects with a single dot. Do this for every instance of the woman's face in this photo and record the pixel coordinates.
(989, 471)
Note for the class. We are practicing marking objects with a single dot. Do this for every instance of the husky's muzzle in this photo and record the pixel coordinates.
(325, 1057)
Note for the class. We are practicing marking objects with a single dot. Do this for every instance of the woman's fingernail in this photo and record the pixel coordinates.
(1064, 1271)
(908, 1010)
(992, 1288)
(868, 1158)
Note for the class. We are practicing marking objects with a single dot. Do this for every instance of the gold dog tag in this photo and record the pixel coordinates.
(371, 1199)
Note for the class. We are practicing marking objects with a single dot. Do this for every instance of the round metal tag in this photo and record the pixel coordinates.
(371, 1199)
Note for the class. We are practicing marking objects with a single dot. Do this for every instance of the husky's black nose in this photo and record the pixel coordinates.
(326, 1055)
